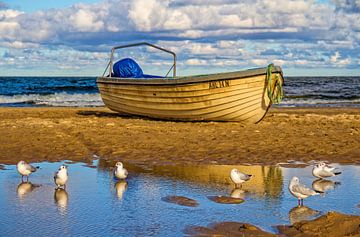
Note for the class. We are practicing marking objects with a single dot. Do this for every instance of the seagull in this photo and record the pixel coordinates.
(120, 172)
(61, 177)
(322, 170)
(238, 177)
(25, 169)
(300, 191)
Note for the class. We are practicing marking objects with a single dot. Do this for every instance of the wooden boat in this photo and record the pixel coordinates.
(242, 96)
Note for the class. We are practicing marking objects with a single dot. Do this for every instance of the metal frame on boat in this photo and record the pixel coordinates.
(243, 96)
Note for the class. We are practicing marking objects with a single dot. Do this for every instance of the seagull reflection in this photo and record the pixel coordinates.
(302, 213)
(323, 185)
(237, 193)
(25, 188)
(120, 187)
(61, 199)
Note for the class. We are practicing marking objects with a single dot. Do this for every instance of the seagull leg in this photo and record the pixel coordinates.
(302, 202)
(238, 185)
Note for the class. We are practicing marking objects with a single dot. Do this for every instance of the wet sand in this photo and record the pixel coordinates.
(53, 134)
(332, 224)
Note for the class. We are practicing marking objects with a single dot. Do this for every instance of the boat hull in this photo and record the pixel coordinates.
(236, 96)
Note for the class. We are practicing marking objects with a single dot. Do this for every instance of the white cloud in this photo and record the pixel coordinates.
(335, 59)
(221, 33)
(195, 62)
(85, 21)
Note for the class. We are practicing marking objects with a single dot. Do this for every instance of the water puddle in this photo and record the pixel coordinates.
(150, 202)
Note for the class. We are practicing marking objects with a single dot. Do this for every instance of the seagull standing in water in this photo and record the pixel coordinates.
(120, 172)
(25, 169)
(300, 191)
(61, 177)
(238, 177)
(323, 171)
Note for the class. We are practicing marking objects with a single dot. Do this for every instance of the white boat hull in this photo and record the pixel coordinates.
(236, 96)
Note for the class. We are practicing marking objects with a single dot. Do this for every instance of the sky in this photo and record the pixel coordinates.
(74, 38)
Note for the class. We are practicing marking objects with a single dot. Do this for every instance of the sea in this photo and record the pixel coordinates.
(83, 92)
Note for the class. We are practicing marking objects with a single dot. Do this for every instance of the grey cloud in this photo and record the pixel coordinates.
(352, 6)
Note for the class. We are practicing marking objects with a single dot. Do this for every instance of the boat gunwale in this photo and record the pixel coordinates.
(189, 79)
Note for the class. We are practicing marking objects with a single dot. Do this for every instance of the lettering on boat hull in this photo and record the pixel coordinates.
(219, 84)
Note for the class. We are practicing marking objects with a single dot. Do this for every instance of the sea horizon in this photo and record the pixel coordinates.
(44, 91)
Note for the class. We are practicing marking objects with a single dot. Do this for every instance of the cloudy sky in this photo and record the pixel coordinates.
(69, 37)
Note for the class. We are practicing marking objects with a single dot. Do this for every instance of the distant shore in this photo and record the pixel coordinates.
(82, 134)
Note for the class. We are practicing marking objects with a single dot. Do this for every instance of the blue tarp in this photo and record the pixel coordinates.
(128, 68)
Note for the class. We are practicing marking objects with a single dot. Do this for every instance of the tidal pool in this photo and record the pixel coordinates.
(95, 204)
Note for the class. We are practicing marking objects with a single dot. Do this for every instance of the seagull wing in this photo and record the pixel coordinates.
(329, 168)
(325, 173)
(30, 167)
(55, 175)
(302, 189)
(243, 176)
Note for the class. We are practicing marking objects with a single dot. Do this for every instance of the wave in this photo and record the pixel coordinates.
(55, 100)
(311, 102)
(324, 96)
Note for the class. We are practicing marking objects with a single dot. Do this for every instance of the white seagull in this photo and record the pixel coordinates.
(300, 191)
(25, 169)
(322, 170)
(61, 177)
(238, 177)
(120, 172)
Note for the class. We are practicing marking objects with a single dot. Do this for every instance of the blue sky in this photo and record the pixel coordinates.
(68, 37)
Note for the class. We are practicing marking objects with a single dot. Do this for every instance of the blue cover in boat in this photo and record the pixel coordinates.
(128, 68)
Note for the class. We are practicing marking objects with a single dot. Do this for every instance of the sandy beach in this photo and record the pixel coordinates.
(84, 134)
(301, 134)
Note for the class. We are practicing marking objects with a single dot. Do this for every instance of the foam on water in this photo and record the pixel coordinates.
(57, 99)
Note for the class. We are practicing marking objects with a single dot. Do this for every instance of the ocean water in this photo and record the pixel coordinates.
(83, 92)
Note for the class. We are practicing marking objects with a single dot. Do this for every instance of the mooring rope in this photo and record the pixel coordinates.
(274, 88)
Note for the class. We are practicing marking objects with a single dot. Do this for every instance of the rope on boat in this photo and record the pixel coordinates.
(274, 88)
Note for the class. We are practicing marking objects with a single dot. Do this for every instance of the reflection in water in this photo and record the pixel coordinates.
(120, 187)
(323, 185)
(237, 193)
(273, 180)
(266, 180)
(302, 213)
(25, 188)
(61, 200)
(145, 214)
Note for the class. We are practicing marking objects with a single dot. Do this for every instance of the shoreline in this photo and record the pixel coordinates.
(50, 134)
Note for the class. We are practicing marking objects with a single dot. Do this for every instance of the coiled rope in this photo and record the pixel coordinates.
(274, 87)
